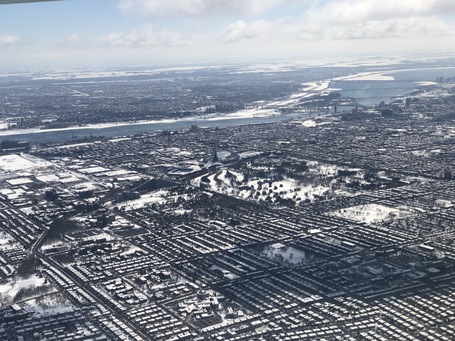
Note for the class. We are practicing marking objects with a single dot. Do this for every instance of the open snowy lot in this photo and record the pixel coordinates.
(14, 163)
(284, 254)
(372, 213)
(9, 290)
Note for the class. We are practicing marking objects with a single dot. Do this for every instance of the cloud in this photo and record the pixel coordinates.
(346, 11)
(147, 37)
(258, 30)
(44, 55)
(290, 20)
(372, 29)
(308, 19)
(71, 40)
(372, 19)
(272, 29)
(199, 8)
(326, 10)
(9, 40)
(73, 37)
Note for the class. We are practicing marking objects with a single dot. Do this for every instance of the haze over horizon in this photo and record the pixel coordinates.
(91, 33)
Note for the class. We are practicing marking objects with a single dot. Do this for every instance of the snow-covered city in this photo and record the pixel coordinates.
(334, 222)
(227, 170)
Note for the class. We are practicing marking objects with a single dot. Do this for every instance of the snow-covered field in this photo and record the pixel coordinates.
(14, 163)
(284, 254)
(159, 197)
(145, 200)
(372, 213)
(40, 297)
(50, 304)
(232, 182)
(10, 289)
(286, 189)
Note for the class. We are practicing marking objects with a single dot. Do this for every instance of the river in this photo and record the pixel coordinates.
(37, 136)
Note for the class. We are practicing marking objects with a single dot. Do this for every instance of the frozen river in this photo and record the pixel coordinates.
(36, 136)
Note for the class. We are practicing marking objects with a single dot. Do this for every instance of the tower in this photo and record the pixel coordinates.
(214, 157)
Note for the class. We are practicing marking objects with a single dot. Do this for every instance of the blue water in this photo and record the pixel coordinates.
(371, 93)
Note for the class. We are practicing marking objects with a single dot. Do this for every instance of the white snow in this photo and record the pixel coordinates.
(69, 179)
(12, 288)
(12, 194)
(317, 86)
(85, 186)
(99, 236)
(118, 172)
(367, 76)
(284, 254)
(131, 250)
(310, 89)
(248, 154)
(181, 211)
(19, 181)
(177, 151)
(157, 197)
(7, 242)
(48, 305)
(309, 123)
(67, 146)
(27, 210)
(260, 189)
(14, 163)
(247, 113)
(427, 83)
(6, 191)
(91, 170)
(371, 213)
(48, 178)
(325, 169)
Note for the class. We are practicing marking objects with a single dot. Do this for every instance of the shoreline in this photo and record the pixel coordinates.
(242, 114)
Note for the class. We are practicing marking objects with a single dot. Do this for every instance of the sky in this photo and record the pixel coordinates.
(104, 33)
